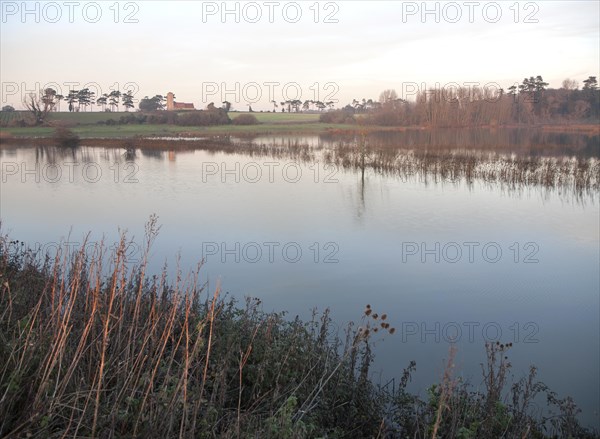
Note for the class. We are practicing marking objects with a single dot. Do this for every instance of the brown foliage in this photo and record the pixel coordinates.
(245, 119)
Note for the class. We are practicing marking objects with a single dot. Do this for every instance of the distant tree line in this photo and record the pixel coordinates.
(526, 103)
(48, 100)
(158, 103)
(296, 105)
(80, 100)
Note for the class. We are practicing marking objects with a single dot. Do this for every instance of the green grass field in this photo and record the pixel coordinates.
(85, 118)
(126, 131)
(93, 117)
(281, 117)
(72, 118)
(85, 125)
(7, 116)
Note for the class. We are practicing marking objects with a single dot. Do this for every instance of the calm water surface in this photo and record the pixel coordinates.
(472, 258)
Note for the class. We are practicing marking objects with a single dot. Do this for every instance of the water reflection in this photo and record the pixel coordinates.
(510, 159)
(389, 192)
(523, 141)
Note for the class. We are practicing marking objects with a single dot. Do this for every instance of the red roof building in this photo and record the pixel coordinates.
(172, 105)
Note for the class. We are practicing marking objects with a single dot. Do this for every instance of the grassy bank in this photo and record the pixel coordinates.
(94, 347)
(130, 131)
(92, 125)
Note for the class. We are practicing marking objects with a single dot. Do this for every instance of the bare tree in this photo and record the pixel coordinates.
(570, 84)
(388, 96)
(40, 105)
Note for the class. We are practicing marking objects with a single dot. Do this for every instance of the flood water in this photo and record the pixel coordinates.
(462, 237)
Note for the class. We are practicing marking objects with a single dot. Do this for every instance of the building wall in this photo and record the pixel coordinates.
(170, 101)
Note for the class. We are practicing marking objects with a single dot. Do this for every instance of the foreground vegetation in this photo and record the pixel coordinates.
(93, 347)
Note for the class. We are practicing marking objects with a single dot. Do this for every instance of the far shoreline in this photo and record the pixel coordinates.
(109, 135)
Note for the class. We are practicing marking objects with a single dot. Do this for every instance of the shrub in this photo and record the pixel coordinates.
(65, 137)
(161, 117)
(217, 116)
(337, 116)
(132, 118)
(245, 119)
(385, 117)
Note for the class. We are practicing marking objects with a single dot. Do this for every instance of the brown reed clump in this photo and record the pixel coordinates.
(91, 345)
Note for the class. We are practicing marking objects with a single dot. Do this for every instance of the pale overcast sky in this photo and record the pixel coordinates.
(191, 49)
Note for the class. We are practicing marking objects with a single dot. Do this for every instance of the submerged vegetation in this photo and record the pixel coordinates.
(511, 159)
(93, 346)
(572, 174)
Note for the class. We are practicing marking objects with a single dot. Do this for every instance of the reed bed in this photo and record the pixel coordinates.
(125, 354)
(578, 176)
